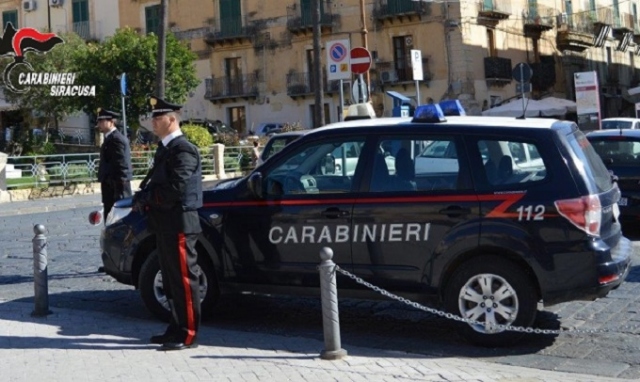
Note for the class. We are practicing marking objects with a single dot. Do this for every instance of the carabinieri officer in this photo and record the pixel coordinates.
(170, 195)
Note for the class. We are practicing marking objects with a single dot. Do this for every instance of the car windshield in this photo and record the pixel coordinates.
(608, 125)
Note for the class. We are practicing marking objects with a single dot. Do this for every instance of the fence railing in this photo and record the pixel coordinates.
(64, 169)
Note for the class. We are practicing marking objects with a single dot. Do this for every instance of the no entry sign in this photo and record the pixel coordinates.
(360, 60)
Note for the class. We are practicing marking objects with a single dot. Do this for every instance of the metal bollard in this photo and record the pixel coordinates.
(40, 280)
(330, 317)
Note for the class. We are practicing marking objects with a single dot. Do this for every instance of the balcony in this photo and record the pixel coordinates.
(401, 10)
(576, 32)
(231, 88)
(537, 19)
(492, 11)
(230, 31)
(544, 73)
(83, 29)
(300, 21)
(497, 70)
(623, 23)
(302, 84)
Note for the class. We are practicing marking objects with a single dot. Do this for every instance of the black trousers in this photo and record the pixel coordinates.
(112, 192)
(178, 259)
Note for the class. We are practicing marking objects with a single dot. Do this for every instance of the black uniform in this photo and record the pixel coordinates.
(115, 171)
(171, 195)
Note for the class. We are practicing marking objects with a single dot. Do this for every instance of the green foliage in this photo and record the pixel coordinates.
(197, 135)
(129, 52)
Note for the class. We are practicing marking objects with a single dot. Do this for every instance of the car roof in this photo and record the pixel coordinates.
(287, 134)
(476, 121)
(623, 119)
(635, 133)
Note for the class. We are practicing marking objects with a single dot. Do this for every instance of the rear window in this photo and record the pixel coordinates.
(608, 125)
(620, 151)
(598, 177)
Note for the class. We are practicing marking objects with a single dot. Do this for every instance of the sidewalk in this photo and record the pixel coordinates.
(89, 346)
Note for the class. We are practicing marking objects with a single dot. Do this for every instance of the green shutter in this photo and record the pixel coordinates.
(80, 10)
(230, 17)
(152, 19)
(306, 12)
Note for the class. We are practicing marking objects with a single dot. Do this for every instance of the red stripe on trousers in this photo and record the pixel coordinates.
(182, 250)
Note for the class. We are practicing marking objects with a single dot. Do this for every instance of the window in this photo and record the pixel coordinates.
(327, 115)
(233, 68)
(415, 165)
(80, 14)
(230, 18)
(402, 57)
(319, 168)
(237, 119)
(10, 17)
(152, 19)
(618, 152)
(511, 162)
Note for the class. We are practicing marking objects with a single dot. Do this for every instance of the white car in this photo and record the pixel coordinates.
(620, 123)
(267, 128)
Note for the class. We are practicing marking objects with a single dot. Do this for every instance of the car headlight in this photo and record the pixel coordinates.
(116, 214)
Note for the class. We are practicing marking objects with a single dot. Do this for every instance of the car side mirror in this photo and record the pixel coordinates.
(255, 185)
(328, 164)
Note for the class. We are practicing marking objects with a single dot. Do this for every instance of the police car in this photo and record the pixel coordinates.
(512, 212)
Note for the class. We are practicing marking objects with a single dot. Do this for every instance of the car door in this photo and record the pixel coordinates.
(407, 218)
(306, 206)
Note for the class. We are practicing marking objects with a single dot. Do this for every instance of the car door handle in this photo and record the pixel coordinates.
(334, 213)
(453, 211)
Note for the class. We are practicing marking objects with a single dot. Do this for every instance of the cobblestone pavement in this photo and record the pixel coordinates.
(387, 326)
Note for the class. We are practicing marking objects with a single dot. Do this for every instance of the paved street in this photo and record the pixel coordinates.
(289, 329)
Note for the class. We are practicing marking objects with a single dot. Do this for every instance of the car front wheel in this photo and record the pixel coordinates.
(491, 291)
(152, 290)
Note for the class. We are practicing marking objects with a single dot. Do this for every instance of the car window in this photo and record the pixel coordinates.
(617, 152)
(511, 163)
(315, 169)
(606, 125)
(596, 174)
(413, 165)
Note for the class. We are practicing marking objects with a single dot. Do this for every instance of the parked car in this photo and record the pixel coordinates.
(218, 129)
(620, 152)
(457, 236)
(620, 123)
(267, 129)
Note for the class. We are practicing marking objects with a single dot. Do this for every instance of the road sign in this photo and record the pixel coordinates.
(359, 91)
(338, 65)
(360, 60)
(416, 65)
(123, 84)
(522, 72)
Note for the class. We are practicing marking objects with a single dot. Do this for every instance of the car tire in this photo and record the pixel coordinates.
(152, 293)
(518, 297)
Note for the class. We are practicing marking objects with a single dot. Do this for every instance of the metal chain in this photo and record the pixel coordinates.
(454, 317)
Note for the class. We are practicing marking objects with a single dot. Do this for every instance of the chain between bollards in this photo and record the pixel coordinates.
(330, 317)
(40, 277)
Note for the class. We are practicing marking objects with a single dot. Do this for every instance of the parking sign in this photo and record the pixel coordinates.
(338, 61)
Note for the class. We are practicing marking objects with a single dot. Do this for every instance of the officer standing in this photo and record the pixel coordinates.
(114, 172)
(170, 195)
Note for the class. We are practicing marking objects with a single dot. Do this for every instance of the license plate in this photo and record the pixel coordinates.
(622, 202)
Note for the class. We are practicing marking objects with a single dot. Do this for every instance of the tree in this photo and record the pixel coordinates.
(129, 52)
(63, 58)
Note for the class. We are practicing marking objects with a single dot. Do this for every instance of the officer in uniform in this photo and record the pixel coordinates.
(170, 195)
(115, 171)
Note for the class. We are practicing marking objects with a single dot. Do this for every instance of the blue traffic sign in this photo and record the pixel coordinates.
(338, 52)
(123, 84)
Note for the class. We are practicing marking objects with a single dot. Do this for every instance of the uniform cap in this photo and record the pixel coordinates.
(106, 114)
(160, 106)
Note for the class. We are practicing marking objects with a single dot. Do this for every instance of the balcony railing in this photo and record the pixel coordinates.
(497, 69)
(230, 29)
(495, 9)
(624, 22)
(386, 9)
(231, 87)
(83, 29)
(602, 15)
(539, 16)
(299, 18)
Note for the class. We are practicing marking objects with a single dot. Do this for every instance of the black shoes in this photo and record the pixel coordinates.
(168, 346)
(161, 339)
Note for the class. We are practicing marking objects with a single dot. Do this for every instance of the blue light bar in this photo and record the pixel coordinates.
(428, 113)
(452, 107)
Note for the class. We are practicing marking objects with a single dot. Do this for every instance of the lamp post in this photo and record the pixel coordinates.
(48, 16)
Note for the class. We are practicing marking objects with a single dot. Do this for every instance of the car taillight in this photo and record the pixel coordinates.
(584, 213)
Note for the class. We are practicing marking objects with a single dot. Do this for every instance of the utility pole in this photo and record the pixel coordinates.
(318, 117)
(363, 17)
(49, 17)
(162, 46)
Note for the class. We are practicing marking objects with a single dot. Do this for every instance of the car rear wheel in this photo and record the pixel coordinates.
(493, 291)
(152, 290)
